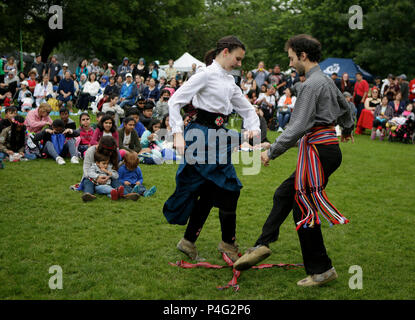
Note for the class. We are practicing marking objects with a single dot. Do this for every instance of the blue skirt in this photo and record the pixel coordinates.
(190, 177)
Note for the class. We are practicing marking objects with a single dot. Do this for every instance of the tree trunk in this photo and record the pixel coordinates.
(52, 40)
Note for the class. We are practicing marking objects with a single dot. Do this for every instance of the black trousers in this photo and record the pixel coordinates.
(210, 195)
(314, 253)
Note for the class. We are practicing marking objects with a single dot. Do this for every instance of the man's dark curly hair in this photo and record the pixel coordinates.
(307, 44)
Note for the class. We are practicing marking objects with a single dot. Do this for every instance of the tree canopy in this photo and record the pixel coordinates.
(166, 28)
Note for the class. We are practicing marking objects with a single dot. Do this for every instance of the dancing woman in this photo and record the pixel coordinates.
(201, 184)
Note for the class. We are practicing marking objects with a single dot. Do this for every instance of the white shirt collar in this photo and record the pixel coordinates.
(218, 68)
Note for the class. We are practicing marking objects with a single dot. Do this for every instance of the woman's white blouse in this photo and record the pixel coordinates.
(92, 88)
(214, 90)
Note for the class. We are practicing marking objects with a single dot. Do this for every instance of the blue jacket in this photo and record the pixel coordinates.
(155, 94)
(129, 92)
(130, 176)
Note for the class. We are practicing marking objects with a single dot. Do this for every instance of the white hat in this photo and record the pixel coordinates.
(65, 64)
(129, 75)
(110, 65)
(25, 83)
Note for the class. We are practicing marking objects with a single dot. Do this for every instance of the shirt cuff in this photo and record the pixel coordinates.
(177, 129)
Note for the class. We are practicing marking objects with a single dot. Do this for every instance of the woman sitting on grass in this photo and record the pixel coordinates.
(108, 147)
(382, 114)
(103, 168)
(37, 118)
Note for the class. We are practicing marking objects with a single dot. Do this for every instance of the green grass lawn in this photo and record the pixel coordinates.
(122, 250)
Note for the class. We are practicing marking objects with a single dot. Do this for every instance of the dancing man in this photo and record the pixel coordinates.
(201, 183)
(319, 107)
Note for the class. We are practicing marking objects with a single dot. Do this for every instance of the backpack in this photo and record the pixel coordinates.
(58, 141)
(33, 147)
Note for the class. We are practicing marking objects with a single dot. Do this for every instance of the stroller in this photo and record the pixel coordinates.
(403, 132)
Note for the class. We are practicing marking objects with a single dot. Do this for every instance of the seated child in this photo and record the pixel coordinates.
(135, 114)
(151, 143)
(408, 113)
(27, 102)
(55, 144)
(150, 139)
(9, 114)
(25, 97)
(112, 105)
(102, 167)
(396, 121)
(147, 114)
(131, 177)
(100, 114)
(106, 127)
(162, 106)
(7, 99)
(85, 133)
(69, 123)
(128, 137)
(401, 128)
(13, 139)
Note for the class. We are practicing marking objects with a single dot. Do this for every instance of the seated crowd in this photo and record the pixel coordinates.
(386, 108)
(131, 107)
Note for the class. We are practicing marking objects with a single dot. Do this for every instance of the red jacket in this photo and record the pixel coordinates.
(86, 136)
(360, 88)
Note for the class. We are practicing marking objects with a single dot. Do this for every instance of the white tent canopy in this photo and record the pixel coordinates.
(184, 63)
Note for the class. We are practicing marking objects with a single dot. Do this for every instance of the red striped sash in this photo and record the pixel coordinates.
(310, 177)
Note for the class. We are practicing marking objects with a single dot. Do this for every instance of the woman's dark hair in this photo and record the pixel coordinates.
(92, 73)
(163, 122)
(307, 44)
(229, 42)
(108, 146)
(104, 118)
(83, 114)
(17, 139)
(152, 123)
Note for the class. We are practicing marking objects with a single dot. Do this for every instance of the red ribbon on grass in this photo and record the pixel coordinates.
(233, 283)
